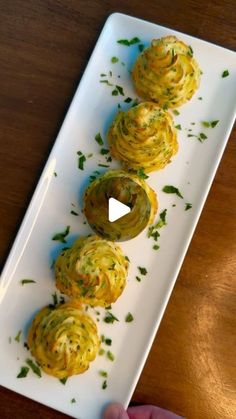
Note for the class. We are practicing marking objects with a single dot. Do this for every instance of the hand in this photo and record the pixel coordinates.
(116, 411)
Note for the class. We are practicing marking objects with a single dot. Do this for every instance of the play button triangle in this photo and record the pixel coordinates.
(116, 209)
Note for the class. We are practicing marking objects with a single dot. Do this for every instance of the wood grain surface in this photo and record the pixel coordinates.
(44, 48)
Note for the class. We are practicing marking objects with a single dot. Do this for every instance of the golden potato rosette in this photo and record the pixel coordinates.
(143, 137)
(128, 189)
(166, 72)
(63, 340)
(93, 270)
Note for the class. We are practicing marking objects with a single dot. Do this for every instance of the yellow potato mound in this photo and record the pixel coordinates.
(127, 188)
(63, 340)
(166, 72)
(93, 270)
(143, 137)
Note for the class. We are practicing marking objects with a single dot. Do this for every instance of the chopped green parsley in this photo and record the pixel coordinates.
(128, 43)
(110, 318)
(104, 151)
(172, 189)
(142, 174)
(104, 385)
(27, 281)
(81, 160)
(98, 138)
(110, 356)
(128, 100)
(61, 236)
(225, 74)
(210, 124)
(23, 372)
(106, 82)
(188, 206)
(114, 60)
(176, 112)
(18, 336)
(74, 213)
(63, 380)
(103, 373)
(34, 367)
(143, 271)
(129, 318)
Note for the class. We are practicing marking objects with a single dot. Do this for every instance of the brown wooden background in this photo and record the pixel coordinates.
(44, 47)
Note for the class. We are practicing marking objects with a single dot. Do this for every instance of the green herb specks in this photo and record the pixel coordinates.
(130, 42)
(225, 74)
(129, 318)
(23, 372)
(172, 189)
(61, 236)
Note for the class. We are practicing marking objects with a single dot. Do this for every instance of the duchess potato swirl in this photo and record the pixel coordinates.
(127, 188)
(93, 270)
(143, 137)
(166, 72)
(63, 340)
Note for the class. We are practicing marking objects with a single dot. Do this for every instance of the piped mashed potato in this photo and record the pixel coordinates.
(166, 72)
(63, 340)
(93, 271)
(127, 188)
(144, 137)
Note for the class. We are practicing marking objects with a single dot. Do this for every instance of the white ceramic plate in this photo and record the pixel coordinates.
(192, 171)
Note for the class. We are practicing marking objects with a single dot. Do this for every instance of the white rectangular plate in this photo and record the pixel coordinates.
(192, 171)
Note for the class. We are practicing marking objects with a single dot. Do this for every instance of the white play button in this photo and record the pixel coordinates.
(116, 209)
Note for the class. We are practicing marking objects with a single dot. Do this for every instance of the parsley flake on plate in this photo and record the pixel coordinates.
(110, 318)
(129, 318)
(35, 368)
(23, 372)
(27, 281)
(74, 213)
(143, 271)
(172, 189)
(128, 100)
(225, 74)
(114, 60)
(210, 124)
(128, 43)
(110, 356)
(188, 206)
(63, 380)
(61, 236)
(98, 138)
(104, 385)
(81, 161)
(18, 336)
(103, 373)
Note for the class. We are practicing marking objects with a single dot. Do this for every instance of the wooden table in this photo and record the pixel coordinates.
(44, 47)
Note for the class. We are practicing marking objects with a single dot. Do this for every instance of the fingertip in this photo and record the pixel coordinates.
(115, 411)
